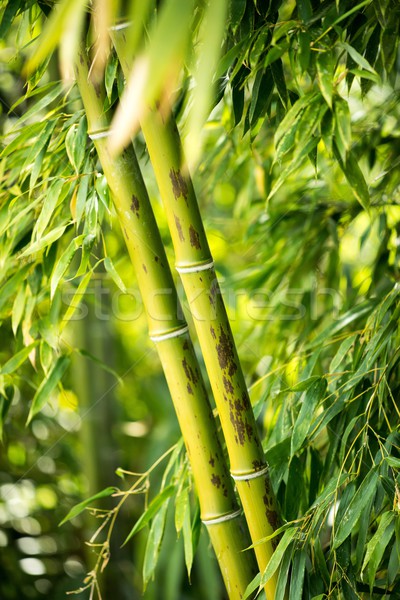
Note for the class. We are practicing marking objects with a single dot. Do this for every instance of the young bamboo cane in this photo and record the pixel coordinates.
(167, 328)
(195, 266)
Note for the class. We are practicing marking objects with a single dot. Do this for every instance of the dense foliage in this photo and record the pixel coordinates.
(298, 182)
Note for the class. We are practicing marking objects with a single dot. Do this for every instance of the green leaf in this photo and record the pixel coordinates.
(383, 543)
(50, 202)
(78, 508)
(18, 359)
(152, 509)
(62, 265)
(325, 75)
(187, 539)
(342, 353)
(6, 398)
(181, 504)
(111, 270)
(342, 123)
(76, 299)
(283, 576)
(311, 399)
(153, 545)
(18, 308)
(54, 28)
(297, 575)
(47, 386)
(384, 522)
(46, 240)
(363, 494)
(292, 117)
(277, 556)
(356, 56)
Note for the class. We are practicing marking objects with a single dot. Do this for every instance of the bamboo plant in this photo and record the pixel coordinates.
(195, 266)
(169, 331)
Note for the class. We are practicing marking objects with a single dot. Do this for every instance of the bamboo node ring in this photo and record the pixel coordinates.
(171, 334)
(228, 517)
(97, 135)
(120, 26)
(253, 475)
(195, 268)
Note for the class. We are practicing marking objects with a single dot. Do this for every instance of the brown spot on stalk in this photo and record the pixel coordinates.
(211, 461)
(216, 480)
(186, 345)
(179, 186)
(212, 331)
(225, 351)
(239, 426)
(213, 291)
(227, 385)
(190, 374)
(258, 465)
(189, 389)
(273, 520)
(144, 268)
(81, 59)
(179, 228)
(135, 205)
(194, 238)
(156, 258)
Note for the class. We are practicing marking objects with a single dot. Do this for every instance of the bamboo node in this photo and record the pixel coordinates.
(171, 334)
(119, 26)
(223, 518)
(101, 133)
(253, 475)
(196, 267)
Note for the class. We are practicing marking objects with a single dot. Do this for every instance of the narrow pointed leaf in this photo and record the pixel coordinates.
(18, 359)
(78, 508)
(47, 386)
(151, 511)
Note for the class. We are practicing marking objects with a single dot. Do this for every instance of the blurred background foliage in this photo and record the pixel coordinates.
(298, 180)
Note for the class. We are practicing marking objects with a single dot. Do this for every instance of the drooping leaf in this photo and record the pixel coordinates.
(153, 545)
(79, 508)
(355, 508)
(325, 75)
(18, 359)
(151, 511)
(47, 386)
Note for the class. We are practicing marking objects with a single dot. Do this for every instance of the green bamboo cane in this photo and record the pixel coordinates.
(167, 328)
(195, 266)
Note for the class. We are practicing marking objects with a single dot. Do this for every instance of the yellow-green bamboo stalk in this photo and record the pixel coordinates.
(195, 265)
(167, 328)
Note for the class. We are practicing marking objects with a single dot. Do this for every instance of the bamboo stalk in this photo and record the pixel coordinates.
(168, 329)
(195, 265)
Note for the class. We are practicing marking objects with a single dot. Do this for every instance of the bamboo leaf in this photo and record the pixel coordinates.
(277, 556)
(111, 270)
(187, 539)
(6, 398)
(153, 545)
(79, 508)
(297, 575)
(342, 353)
(152, 509)
(378, 551)
(47, 386)
(325, 75)
(18, 359)
(312, 397)
(46, 240)
(18, 308)
(50, 201)
(384, 522)
(363, 494)
(54, 29)
(342, 124)
(181, 503)
(76, 299)
(356, 56)
(283, 577)
(63, 264)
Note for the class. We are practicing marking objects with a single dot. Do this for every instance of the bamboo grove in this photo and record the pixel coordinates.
(284, 115)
